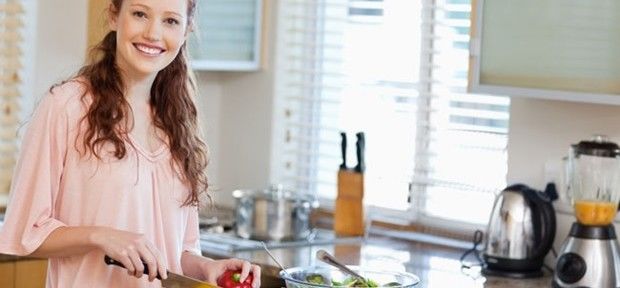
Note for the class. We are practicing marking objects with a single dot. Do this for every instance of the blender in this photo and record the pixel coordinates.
(589, 256)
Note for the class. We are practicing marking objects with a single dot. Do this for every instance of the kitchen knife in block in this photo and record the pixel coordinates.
(174, 280)
(349, 212)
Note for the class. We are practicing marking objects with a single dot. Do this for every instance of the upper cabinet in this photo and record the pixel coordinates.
(227, 36)
(97, 21)
(553, 49)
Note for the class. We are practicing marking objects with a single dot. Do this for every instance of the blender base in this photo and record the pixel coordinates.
(590, 257)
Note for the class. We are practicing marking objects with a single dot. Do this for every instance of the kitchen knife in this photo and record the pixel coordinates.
(360, 147)
(343, 148)
(174, 280)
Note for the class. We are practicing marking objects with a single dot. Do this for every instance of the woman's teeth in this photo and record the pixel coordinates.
(149, 50)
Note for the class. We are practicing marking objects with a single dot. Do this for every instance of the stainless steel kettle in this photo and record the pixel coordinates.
(520, 232)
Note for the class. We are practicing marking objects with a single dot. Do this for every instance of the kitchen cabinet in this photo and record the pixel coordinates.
(7, 274)
(97, 25)
(551, 49)
(227, 36)
(29, 273)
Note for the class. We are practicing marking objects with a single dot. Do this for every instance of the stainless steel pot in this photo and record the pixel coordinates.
(273, 214)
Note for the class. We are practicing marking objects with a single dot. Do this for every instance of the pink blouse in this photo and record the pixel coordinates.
(54, 186)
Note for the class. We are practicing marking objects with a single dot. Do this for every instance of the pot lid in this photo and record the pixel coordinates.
(275, 193)
(599, 146)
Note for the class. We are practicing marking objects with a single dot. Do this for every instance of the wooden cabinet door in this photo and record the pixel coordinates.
(7, 274)
(30, 273)
(97, 21)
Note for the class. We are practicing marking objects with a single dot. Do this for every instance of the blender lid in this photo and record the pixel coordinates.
(598, 146)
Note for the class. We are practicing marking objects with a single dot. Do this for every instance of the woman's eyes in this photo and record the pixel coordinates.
(172, 21)
(139, 14)
(169, 21)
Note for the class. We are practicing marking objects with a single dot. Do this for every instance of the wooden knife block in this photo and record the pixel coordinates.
(349, 212)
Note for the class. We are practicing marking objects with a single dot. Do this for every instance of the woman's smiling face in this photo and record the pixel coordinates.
(149, 34)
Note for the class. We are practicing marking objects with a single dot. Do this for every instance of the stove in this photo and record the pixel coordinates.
(228, 241)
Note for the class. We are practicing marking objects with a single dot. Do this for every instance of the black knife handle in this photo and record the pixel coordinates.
(343, 149)
(108, 260)
(360, 147)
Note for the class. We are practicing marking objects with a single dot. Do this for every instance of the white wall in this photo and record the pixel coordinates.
(210, 115)
(240, 153)
(59, 41)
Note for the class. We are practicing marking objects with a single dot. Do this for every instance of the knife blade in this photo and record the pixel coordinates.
(179, 281)
(174, 280)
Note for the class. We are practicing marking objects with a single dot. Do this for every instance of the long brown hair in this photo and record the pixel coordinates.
(172, 101)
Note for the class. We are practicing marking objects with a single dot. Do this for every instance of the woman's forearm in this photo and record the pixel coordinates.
(191, 264)
(133, 250)
(68, 241)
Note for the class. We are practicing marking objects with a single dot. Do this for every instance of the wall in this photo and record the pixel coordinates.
(241, 146)
(238, 108)
(541, 132)
(55, 46)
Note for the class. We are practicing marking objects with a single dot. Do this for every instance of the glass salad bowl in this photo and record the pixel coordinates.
(326, 276)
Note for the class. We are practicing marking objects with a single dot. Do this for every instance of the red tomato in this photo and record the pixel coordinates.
(231, 279)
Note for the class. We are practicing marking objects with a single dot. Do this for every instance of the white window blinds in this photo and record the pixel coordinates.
(396, 70)
(10, 65)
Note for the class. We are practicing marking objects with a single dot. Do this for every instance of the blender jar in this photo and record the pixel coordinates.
(594, 180)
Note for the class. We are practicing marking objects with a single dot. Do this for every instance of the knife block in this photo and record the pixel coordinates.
(349, 212)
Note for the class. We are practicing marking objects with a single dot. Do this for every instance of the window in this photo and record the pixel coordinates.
(10, 65)
(396, 70)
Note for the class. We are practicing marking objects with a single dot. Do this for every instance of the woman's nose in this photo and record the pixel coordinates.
(153, 31)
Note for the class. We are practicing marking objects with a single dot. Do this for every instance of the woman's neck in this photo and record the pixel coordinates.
(138, 91)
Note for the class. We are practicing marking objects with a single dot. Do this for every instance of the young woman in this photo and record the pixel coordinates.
(112, 163)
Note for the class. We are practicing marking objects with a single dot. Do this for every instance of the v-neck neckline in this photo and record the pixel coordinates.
(151, 155)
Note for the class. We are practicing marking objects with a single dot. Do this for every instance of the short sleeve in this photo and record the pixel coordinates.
(191, 241)
(36, 179)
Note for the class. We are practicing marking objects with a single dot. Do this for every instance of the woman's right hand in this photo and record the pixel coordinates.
(131, 249)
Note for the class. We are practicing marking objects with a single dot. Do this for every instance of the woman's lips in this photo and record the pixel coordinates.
(149, 49)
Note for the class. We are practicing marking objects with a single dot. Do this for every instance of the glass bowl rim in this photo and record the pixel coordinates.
(285, 276)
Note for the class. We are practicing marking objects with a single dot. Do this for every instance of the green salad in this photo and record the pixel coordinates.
(348, 282)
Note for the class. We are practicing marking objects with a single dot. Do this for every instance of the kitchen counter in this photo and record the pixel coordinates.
(437, 266)
(11, 258)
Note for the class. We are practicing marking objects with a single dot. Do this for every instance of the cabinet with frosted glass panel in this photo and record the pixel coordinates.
(549, 49)
(227, 36)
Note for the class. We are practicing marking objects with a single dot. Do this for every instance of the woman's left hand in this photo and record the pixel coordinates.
(213, 269)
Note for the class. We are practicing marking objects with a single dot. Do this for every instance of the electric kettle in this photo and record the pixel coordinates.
(520, 232)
